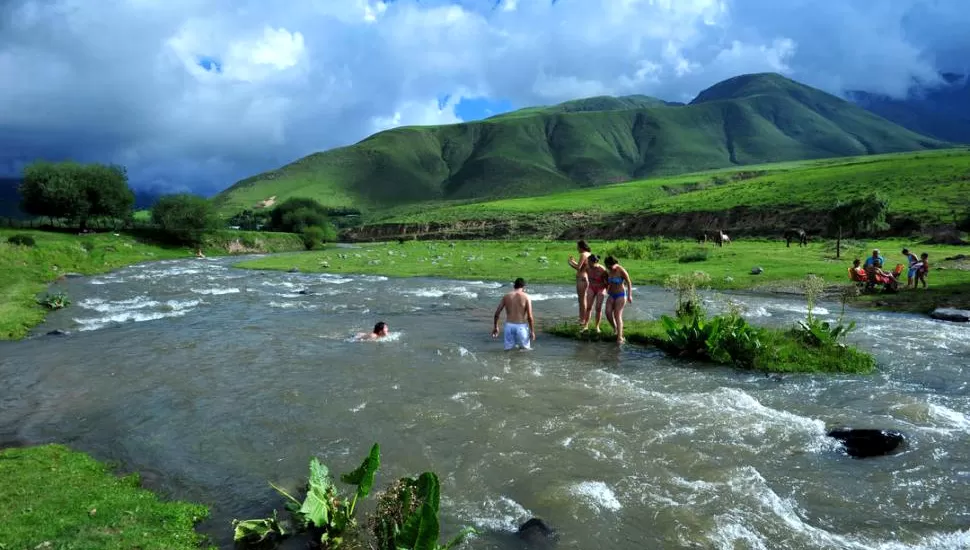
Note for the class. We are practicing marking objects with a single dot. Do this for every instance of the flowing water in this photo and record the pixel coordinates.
(212, 380)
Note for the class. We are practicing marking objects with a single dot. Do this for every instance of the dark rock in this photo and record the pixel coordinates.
(958, 257)
(864, 443)
(305, 292)
(294, 270)
(757, 271)
(73, 275)
(58, 332)
(536, 531)
(951, 314)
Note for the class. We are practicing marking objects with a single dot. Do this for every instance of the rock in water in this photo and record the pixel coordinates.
(951, 314)
(294, 270)
(757, 271)
(536, 531)
(58, 332)
(864, 443)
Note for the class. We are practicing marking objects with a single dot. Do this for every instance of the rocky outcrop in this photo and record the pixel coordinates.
(865, 443)
(951, 314)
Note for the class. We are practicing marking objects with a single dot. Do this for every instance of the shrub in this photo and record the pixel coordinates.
(685, 285)
(55, 301)
(185, 218)
(21, 240)
(723, 339)
(312, 236)
(696, 256)
(643, 250)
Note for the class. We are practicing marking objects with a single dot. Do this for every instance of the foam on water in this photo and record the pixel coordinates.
(597, 494)
(540, 297)
(104, 306)
(215, 291)
(497, 514)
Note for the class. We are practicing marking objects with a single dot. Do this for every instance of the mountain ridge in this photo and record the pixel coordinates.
(749, 119)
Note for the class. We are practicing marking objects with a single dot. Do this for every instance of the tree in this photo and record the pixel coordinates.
(75, 191)
(860, 215)
(295, 215)
(185, 217)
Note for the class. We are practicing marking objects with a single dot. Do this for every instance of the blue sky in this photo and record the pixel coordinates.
(196, 94)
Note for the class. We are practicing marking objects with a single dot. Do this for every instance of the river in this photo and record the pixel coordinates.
(212, 380)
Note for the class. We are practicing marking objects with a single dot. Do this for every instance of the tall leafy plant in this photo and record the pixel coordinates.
(324, 511)
(407, 516)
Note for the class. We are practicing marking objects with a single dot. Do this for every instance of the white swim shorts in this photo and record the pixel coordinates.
(517, 334)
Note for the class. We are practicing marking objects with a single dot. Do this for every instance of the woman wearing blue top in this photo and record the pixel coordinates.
(619, 292)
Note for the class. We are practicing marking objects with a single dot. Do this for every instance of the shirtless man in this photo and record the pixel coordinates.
(519, 325)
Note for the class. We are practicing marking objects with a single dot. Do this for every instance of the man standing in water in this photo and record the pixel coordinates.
(519, 324)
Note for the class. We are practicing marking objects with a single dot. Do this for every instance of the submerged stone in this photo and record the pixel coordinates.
(865, 443)
(951, 314)
(536, 531)
(58, 332)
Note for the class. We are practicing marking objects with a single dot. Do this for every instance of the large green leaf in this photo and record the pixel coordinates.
(459, 538)
(429, 491)
(363, 476)
(316, 505)
(416, 525)
(257, 530)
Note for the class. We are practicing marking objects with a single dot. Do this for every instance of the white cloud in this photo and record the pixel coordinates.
(122, 81)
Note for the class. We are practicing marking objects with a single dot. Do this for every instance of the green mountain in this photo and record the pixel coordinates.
(749, 119)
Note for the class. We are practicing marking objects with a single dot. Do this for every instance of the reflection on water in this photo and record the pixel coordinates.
(214, 380)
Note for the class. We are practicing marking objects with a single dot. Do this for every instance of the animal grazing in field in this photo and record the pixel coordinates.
(717, 237)
(796, 234)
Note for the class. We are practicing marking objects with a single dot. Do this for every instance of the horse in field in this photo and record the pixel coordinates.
(717, 237)
(796, 234)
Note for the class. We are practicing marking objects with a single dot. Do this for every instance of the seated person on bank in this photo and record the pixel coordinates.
(856, 272)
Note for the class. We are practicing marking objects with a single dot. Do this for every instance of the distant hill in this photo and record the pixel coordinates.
(942, 112)
(745, 120)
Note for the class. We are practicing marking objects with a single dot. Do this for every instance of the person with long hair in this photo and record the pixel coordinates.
(582, 277)
(619, 292)
(596, 292)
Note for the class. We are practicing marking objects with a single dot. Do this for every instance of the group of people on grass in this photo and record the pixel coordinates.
(598, 283)
(871, 272)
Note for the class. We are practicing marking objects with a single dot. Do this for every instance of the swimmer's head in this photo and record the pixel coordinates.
(380, 329)
(519, 283)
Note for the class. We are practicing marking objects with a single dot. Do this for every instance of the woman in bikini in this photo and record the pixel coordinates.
(582, 278)
(619, 293)
(597, 290)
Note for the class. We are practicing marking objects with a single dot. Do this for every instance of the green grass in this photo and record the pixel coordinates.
(649, 263)
(26, 271)
(52, 497)
(757, 119)
(928, 185)
(781, 351)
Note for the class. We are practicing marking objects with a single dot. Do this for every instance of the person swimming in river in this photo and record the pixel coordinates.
(597, 291)
(520, 328)
(380, 331)
(582, 278)
(619, 293)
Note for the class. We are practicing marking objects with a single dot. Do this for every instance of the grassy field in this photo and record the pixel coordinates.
(55, 498)
(649, 261)
(748, 120)
(781, 351)
(26, 271)
(929, 185)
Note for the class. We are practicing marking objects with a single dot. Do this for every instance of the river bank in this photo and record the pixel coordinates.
(650, 262)
(25, 271)
(53, 497)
